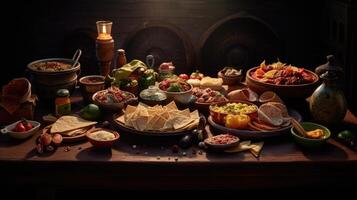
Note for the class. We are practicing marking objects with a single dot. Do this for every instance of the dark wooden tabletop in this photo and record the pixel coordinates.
(137, 162)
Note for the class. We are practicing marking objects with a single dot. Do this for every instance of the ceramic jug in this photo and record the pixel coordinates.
(328, 104)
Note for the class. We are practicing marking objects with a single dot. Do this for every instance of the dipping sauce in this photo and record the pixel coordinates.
(222, 139)
(102, 135)
(315, 134)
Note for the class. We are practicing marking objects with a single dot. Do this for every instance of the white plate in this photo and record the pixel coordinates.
(21, 135)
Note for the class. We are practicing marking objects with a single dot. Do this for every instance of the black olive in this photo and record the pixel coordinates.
(348, 138)
(202, 145)
(195, 131)
(186, 141)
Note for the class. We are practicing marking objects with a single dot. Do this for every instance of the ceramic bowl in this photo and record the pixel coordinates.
(180, 97)
(21, 135)
(230, 80)
(114, 107)
(284, 91)
(219, 117)
(308, 142)
(102, 143)
(90, 85)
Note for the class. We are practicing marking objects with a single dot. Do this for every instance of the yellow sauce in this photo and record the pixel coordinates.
(315, 134)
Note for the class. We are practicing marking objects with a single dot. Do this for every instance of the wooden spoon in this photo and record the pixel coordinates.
(298, 127)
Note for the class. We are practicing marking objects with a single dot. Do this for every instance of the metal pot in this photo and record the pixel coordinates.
(46, 83)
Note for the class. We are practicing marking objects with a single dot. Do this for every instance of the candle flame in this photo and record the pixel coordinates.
(104, 30)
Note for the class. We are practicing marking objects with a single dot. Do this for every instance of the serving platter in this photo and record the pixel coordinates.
(249, 134)
(122, 127)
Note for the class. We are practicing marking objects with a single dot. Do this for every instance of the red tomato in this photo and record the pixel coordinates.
(184, 76)
(27, 125)
(19, 127)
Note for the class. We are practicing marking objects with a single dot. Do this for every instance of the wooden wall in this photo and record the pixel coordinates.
(44, 28)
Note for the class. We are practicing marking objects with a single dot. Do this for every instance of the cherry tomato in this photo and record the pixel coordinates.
(19, 127)
(27, 125)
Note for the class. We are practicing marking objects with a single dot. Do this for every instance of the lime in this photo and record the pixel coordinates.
(90, 112)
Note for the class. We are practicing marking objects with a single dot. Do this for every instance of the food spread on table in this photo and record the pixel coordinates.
(237, 113)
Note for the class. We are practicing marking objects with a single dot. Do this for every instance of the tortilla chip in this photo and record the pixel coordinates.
(158, 123)
(244, 145)
(171, 106)
(142, 120)
(69, 123)
(256, 148)
(121, 119)
(129, 109)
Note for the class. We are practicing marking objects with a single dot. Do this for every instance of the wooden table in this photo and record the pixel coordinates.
(148, 163)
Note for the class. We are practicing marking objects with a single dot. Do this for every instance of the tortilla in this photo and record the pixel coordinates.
(75, 132)
(69, 123)
(282, 107)
(270, 114)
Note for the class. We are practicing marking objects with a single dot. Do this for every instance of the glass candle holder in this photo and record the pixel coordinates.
(104, 29)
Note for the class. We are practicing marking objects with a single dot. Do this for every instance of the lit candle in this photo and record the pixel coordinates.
(104, 29)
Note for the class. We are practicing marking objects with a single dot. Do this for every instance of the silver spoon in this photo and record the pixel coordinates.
(76, 57)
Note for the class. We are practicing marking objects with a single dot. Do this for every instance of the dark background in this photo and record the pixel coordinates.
(202, 34)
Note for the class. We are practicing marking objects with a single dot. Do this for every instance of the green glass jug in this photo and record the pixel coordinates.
(328, 104)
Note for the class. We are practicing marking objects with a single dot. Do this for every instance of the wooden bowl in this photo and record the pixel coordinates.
(220, 117)
(230, 80)
(300, 91)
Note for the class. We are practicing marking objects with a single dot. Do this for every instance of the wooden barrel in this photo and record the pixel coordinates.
(238, 40)
(165, 42)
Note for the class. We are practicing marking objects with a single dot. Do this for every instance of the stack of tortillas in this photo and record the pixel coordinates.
(71, 126)
(159, 118)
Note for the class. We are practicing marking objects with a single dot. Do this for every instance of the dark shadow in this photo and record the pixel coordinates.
(215, 155)
(325, 153)
(33, 152)
(93, 153)
(7, 141)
